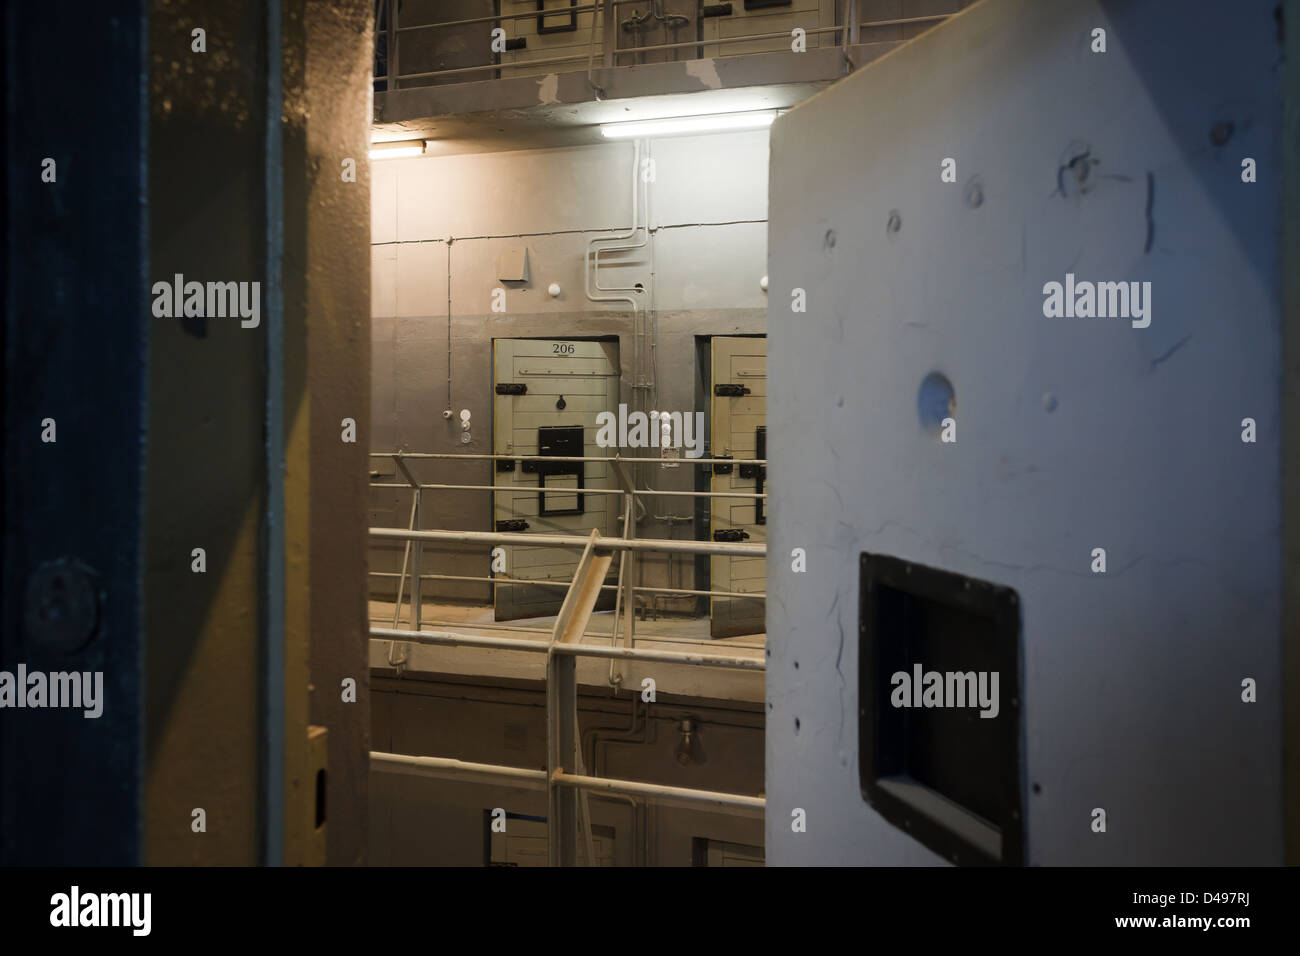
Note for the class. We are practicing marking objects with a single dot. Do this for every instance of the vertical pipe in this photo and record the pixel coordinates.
(450, 240)
(273, 632)
(561, 747)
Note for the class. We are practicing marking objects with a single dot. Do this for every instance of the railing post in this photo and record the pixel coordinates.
(629, 601)
(568, 810)
(627, 564)
(392, 45)
(609, 24)
(401, 586)
(417, 553)
(624, 592)
(401, 578)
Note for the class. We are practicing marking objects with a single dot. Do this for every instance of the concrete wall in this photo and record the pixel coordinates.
(338, 64)
(232, 651)
(438, 227)
(1072, 434)
(206, 480)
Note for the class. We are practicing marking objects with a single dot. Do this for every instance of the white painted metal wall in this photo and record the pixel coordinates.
(1072, 434)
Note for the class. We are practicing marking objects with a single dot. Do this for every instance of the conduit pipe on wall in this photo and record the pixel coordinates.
(636, 226)
(591, 282)
(636, 206)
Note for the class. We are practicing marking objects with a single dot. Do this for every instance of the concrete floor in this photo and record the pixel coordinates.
(594, 674)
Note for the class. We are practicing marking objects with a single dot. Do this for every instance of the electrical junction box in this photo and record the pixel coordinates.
(940, 407)
(512, 265)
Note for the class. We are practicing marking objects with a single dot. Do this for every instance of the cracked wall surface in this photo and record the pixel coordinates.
(1071, 433)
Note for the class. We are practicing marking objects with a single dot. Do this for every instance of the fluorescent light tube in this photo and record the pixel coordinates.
(396, 150)
(689, 124)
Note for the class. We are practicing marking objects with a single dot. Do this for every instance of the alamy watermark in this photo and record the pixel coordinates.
(211, 300)
(653, 430)
(75, 908)
(1101, 300)
(946, 689)
(37, 689)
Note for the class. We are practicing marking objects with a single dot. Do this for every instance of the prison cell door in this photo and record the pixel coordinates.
(739, 430)
(548, 393)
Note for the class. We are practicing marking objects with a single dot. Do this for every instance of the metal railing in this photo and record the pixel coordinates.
(391, 31)
(412, 555)
(566, 781)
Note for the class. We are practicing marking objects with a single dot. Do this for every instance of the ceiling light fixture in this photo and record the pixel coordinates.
(718, 123)
(396, 150)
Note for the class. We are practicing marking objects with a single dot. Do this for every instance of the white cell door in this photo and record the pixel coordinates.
(548, 393)
(739, 430)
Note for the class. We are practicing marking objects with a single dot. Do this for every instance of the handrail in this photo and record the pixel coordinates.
(626, 460)
(645, 654)
(566, 782)
(546, 583)
(395, 33)
(601, 543)
(526, 489)
(448, 768)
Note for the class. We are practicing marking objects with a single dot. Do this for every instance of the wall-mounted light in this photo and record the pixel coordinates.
(688, 749)
(398, 149)
(721, 122)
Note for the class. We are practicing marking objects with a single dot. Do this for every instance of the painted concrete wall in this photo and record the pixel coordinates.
(206, 478)
(1072, 434)
(338, 64)
(439, 226)
(209, 713)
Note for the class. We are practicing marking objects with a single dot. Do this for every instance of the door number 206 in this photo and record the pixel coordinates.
(561, 348)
